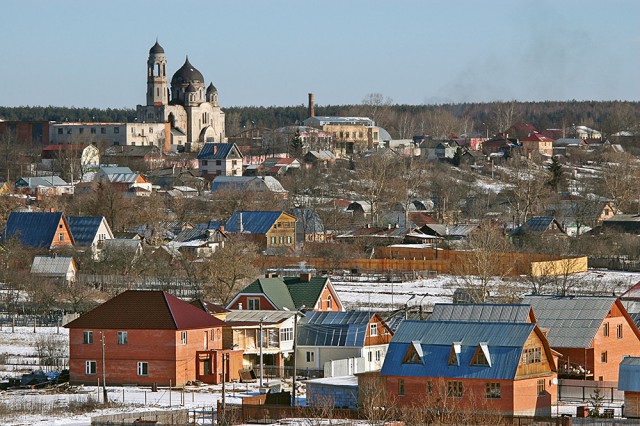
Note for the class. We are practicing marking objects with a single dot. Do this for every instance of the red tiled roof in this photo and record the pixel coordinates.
(145, 310)
(537, 137)
(209, 307)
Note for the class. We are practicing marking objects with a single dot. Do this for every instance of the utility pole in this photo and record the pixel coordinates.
(260, 345)
(104, 375)
(295, 358)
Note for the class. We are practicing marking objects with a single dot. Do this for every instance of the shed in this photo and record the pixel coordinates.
(341, 392)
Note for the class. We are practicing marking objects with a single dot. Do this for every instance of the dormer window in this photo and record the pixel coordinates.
(414, 354)
(454, 354)
(481, 356)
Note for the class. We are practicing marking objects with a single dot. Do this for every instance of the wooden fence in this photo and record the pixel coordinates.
(447, 262)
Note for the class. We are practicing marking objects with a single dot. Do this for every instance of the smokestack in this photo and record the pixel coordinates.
(312, 111)
(240, 226)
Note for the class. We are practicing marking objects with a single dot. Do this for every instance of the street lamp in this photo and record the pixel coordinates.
(406, 306)
(295, 349)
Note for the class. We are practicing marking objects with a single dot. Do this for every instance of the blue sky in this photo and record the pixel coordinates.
(272, 52)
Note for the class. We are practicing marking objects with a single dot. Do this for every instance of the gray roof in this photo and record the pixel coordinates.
(109, 170)
(46, 181)
(629, 374)
(572, 321)
(480, 312)
(51, 266)
(250, 183)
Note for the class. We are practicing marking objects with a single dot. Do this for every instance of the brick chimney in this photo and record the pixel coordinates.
(312, 111)
(305, 277)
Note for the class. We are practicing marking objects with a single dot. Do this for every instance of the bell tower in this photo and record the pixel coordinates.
(157, 88)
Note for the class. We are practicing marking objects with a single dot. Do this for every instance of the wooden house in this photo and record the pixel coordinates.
(271, 230)
(39, 229)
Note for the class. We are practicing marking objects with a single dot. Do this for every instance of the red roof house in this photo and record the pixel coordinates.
(149, 337)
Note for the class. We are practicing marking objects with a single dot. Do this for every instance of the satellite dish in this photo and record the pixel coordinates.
(554, 381)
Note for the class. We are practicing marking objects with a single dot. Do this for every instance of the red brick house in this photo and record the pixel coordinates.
(593, 333)
(505, 368)
(288, 293)
(149, 337)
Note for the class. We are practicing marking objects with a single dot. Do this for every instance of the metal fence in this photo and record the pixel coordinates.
(584, 390)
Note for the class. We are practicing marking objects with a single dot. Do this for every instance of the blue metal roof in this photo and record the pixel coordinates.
(252, 222)
(84, 228)
(215, 151)
(629, 374)
(504, 341)
(342, 329)
(33, 229)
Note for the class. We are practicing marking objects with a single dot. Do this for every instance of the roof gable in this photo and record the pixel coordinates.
(219, 151)
(288, 292)
(253, 222)
(145, 310)
(85, 228)
(33, 229)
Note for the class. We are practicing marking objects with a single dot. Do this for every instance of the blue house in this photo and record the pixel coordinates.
(38, 229)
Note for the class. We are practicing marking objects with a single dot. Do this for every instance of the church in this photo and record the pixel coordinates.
(192, 112)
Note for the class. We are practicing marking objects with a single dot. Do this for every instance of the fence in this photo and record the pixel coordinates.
(584, 390)
(274, 372)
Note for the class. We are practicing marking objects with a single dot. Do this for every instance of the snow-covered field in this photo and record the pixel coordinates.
(20, 343)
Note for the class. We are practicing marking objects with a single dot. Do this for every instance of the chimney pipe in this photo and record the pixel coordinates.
(312, 111)
(240, 225)
(305, 277)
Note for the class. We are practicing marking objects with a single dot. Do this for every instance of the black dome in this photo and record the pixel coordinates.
(187, 74)
(156, 48)
(211, 89)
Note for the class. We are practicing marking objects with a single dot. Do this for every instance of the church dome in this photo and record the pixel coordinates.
(156, 48)
(187, 74)
(211, 89)
(191, 88)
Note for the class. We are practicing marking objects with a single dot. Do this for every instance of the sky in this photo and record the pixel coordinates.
(88, 53)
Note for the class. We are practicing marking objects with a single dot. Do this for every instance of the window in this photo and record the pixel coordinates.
(183, 337)
(288, 239)
(69, 130)
(93, 130)
(605, 329)
(311, 356)
(150, 129)
(400, 387)
(122, 338)
(492, 390)
(329, 305)
(234, 162)
(87, 338)
(60, 131)
(81, 130)
(454, 389)
(253, 303)
(370, 356)
(205, 163)
(619, 330)
(286, 334)
(378, 355)
(90, 368)
(532, 356)
(103, 130)
(218, 162)
(373, 329)
(603, 357)
(541, 387)
(479, 358)
(375, 136)
(116, 130)
(61, 236)
(143, 368)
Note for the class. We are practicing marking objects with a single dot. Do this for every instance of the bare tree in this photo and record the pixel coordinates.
(528, 187)
(371, 181)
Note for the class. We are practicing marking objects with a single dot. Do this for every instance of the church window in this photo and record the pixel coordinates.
(157, 91)
(150, 129)
(133, 130)
(158, 69)
(164, 70)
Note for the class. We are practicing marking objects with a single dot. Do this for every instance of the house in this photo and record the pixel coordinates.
(331, 336)
(456, 232)
(220, 159)
(309, 226)
(242, 330)
(593, 333)
(446, 150)
(360, 209)
(199, 242)
(377, 236)
(43, 185)
(540, 225)
(39, 229)
(317, 158)
(271, 230)
(147, 157)
(255, 184)
(61, 269)
(537, 143)
(341, 392)
(288, 293)
(501, 367)
(145, 337)
(624, 223)
(501, 144)
(172, 177)
(89, 231)
(578, 216)
(130, 248)
(629, 382)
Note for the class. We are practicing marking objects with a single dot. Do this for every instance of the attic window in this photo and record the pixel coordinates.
(481, 356)
(414, 354)
(454, 354)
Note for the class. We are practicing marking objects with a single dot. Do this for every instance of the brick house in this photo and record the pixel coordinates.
(537, 142)
(502, 367)
(149, 337)
(288, 293)
(39, 229)
(593, 333)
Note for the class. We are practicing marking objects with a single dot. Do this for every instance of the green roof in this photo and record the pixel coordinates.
(289, 292)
